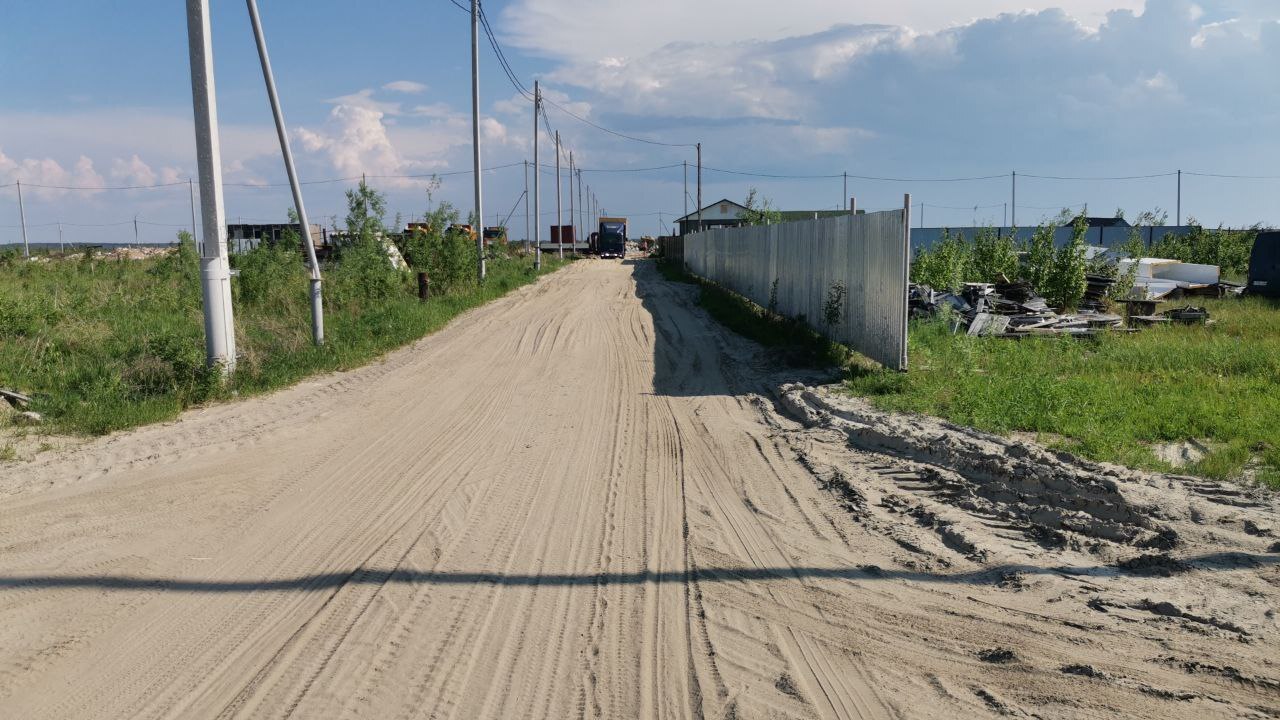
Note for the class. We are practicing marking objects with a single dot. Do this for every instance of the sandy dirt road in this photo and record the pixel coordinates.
(588, 500)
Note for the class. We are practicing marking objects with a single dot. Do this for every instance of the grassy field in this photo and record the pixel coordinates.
(1112, 399)
(108, 344)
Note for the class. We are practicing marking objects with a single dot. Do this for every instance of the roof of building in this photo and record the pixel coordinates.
(787, 215)
(1104, 222)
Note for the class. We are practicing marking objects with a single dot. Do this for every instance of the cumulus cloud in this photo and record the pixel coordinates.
(132, 172)
(408, 87)
(47, 171)
(355, 141)
(570, 29)
(364, 135)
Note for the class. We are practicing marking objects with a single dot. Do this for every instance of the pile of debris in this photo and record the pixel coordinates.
(1013, 310)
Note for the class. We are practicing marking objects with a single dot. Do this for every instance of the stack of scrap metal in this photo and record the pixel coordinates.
(1095, 294)
(924, 301)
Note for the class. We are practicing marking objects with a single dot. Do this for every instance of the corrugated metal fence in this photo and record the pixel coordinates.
(846, 276)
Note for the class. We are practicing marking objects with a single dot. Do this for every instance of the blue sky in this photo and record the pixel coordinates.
(1078, 88)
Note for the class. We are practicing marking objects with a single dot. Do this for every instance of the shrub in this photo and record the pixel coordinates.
(1228, 249)
(1040, 255)
(945, 266)
(270, 271)
(1064, 285)
(994, 256)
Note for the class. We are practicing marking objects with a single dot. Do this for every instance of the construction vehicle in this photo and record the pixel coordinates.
(495, 235)
(612, 242)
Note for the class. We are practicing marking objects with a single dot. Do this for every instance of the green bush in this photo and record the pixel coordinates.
(994, 256)
(944, 267)
(1064, 283)
(271, 272)
(1228, 249)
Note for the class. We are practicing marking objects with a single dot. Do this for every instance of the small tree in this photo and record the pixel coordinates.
(366, 212)
(760, 211)
(946, 265)
(994, 256)
(1066, 283)
(1040, 257)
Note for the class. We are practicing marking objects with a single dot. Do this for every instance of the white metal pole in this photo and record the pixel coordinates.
(559, 217)
(537, 181)
(215, 272)
(317, 301)
(527, 238)
(22, 213)
(572, 223)
(475, 126)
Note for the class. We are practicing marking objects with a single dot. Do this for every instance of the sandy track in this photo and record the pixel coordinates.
(578, 502)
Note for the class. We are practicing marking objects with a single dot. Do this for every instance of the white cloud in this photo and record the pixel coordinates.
(408, 87)
(365, 136)
(47, 171)
(355, 141)
(571, 29)
(132, 172)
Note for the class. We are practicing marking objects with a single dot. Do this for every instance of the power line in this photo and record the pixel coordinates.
(602, 128)
(1098, 179)
(102, 187)
(630, 170)
(1233, 177)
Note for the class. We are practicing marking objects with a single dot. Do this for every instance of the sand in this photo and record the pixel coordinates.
(586, 499)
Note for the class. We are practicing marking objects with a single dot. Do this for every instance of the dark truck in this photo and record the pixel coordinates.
(612, 241)
(1264, 266)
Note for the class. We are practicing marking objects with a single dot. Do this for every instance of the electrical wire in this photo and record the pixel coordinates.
(602, 128)
(1098, 179)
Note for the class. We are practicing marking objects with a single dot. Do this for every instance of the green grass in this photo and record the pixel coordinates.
(794, 342)
(1111, 399)
(1114, 397)
(105, 345)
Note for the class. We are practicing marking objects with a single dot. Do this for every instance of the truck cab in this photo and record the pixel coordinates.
(612, 240)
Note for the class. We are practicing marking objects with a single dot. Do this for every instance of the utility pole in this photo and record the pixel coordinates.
(845, 194)
(572, 221)
(215, 272)
(317, 299)
(1015, 198)
(685, 163)
(135, 230)
(537, 182)
(61, 248)
(527, 238)
(22, 213)
(475, 127)
(582, 211)
(559, 216)
(699, 187)
(1179, 198)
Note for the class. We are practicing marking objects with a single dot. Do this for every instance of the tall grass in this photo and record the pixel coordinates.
(106, 344)
(1112, 398)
